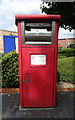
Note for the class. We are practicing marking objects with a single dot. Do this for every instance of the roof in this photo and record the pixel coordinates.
(36, 18)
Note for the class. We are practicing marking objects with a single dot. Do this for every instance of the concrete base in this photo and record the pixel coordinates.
(39, 108)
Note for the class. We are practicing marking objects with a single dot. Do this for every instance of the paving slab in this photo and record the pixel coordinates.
(62, 84)
(64, 108)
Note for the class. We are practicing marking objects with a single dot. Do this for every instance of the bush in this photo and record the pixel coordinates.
(2, 54)
(10, 70)
(67, 52)
(66, 68)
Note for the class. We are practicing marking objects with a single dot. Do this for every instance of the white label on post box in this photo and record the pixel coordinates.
(38, 59)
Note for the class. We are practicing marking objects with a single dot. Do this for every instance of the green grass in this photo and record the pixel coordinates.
(66, 68)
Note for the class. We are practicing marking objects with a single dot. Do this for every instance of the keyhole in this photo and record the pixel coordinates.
(26, 73)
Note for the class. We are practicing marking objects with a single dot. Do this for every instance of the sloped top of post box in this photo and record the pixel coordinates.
(36, 18)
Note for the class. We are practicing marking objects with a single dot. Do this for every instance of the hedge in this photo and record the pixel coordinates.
(67, 52)
(66, 68)
(10, 70)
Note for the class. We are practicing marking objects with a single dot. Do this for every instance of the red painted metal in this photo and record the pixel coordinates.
(37, 82)
(36, 17)
(38, 91)
(55, 64)
(20, 63)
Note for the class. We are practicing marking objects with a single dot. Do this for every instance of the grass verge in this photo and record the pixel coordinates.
(66, 68)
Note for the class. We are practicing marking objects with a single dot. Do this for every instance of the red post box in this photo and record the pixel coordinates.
(38, 46)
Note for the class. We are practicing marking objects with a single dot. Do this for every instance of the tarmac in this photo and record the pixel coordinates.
(64, 108)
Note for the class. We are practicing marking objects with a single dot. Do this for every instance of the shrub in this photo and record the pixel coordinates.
(67, 52)
(10, 70)
(2, 54)
(0, 72)
(66, 68)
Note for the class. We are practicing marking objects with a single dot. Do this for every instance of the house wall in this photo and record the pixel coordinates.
(2, 33)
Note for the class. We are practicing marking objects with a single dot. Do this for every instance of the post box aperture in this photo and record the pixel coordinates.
(38, 47)
(38, 33)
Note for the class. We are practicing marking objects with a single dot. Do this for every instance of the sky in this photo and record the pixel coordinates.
(10, 8)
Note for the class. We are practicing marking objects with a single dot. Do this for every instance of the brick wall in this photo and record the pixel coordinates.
(65, 42)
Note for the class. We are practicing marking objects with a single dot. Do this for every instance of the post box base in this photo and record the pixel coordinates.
(36, 108)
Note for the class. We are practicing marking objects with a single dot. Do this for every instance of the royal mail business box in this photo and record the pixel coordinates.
(37, 46)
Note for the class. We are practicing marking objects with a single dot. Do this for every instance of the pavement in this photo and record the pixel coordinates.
(64, 108)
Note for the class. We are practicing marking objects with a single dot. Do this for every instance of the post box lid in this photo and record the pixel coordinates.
(36, 18)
